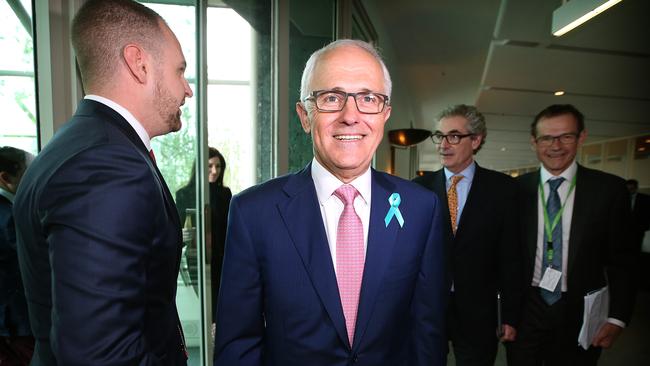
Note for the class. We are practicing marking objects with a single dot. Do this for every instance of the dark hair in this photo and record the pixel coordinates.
(102, 28)
(12, 160)
(475, 120)
(558, 110)
(632, 182)
(215, 153)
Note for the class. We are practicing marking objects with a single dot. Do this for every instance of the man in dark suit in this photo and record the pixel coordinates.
(99, 236)
(337, 264)
(640, 212)
(575, 229)
(483, 256)
(16, 341)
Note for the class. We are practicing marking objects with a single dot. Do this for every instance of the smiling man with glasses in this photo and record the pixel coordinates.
(575, 235)
(337, 264)
(480, 229)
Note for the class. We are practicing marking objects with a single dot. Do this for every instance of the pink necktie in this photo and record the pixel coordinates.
(350, 257)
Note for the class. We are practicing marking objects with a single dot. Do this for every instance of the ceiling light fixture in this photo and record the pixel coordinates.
(575, 12)
(558, 93)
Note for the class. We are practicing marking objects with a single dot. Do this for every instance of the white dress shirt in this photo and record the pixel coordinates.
(137, 126)
(562, 191)
(331, 207)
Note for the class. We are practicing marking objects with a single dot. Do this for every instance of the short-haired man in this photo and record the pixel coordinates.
(337, 264)
(16, 341)
(483, 257)
(575, 229)
(99, 235)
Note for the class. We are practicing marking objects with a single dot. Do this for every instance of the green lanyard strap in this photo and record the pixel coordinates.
(549, 225)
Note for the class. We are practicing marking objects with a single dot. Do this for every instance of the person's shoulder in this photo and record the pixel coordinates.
(405, 186)
(599, 176)
(427, 179)
(265, 191)
(495, 176)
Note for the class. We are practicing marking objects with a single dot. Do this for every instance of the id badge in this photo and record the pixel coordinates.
(550, 279)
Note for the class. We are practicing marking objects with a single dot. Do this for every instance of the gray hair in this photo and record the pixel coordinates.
(308, 72)
(475, 120)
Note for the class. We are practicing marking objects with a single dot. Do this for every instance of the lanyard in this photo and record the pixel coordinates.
(549, 225)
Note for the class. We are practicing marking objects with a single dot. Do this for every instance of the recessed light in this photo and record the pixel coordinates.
(558, 93)
(503, 148)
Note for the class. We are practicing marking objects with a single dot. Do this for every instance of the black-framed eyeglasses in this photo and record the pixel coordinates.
(452, 138)
(335, 100)
(564, 139)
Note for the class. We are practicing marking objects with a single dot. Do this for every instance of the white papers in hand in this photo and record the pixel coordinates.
(595, 315)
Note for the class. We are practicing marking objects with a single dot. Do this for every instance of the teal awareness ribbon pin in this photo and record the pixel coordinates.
(394, 201)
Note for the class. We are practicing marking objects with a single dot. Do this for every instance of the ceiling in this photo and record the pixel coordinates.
(500, 56)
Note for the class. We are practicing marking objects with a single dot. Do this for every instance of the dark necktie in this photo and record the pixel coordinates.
(153, 157)
(553, 206)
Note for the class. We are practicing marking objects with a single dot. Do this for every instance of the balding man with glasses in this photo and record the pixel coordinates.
(574, 229)
(337, 264)
(483, 258)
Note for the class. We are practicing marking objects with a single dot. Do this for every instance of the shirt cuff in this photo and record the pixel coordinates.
(616, 322)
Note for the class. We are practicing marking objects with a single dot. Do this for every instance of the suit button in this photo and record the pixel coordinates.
(355, 358)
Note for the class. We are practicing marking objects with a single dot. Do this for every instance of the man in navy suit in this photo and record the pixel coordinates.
(98, 232)
(337, 264)
(16, 341)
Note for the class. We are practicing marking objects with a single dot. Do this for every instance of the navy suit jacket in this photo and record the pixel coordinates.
(13, 308)
(99, 243)
(279, 302)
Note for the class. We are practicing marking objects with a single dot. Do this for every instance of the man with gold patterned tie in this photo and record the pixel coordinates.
(337, 264)
(483, 258)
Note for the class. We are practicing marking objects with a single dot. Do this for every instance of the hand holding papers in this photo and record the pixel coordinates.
(595, 315)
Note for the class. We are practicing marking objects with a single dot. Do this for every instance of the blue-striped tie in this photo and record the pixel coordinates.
(553, 205)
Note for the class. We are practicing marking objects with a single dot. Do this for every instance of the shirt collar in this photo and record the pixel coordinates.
(467, 173)
(137, 126)
(8, 195)
(326, 183)
(567, 174)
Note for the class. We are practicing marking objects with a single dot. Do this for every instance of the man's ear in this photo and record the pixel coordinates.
(136, 62)
(304, 117)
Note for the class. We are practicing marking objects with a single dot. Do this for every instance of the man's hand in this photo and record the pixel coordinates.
(606, 336)
(509, 333)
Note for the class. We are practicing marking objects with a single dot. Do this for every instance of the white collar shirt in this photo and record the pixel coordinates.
(331, 207)
(565, 200)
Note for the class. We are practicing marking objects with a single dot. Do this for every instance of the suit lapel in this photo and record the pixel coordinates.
(579, 216)
(471, 204)
(381, 240)
(116, 120)
(530, 217)
(302, 217)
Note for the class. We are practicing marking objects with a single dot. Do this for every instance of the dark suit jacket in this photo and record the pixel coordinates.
(99, 247)
(599, 245)
(13, 307)
(279, 302)
(484, 257)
